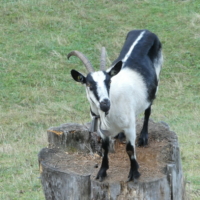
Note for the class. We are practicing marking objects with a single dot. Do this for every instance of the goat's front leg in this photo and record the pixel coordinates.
(143, 138)
(104, 165)
(131, 151)
(134, 173)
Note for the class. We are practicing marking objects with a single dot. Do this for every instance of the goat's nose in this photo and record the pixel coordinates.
(105, 102)
(105, 105)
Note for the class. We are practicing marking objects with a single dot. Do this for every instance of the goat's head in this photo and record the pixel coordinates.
(97, 83)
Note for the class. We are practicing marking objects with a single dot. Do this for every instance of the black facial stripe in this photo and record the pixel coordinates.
(93, 85)
(107, 82)
(95, 93)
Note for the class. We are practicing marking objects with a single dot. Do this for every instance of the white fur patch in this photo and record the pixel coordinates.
(132, 47)
(158, 64)
(99, 77)
(128, 99)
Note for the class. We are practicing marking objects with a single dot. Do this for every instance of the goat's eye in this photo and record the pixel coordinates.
(80, 78)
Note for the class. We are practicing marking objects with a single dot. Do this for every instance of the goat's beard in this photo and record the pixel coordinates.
(104, 122)
(95, 108)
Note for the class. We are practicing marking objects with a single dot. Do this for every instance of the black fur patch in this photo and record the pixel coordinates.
(93, 85)
(142, 58)
(107, 81)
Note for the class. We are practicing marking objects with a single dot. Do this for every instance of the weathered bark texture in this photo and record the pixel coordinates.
(61, 184)
(69, 137)
(71, 176)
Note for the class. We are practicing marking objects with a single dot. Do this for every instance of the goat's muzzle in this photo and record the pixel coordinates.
(105, 105)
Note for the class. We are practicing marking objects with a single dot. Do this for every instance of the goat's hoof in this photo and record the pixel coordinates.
(142, 142)
(101, 174)
(134, 180)
(133, 176)
(100, 178)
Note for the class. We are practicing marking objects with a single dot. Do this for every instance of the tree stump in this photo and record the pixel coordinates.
(69, 165)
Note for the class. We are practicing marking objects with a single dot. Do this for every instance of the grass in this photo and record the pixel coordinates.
(37, 91)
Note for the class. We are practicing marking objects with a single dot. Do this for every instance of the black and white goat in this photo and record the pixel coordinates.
(117, 95)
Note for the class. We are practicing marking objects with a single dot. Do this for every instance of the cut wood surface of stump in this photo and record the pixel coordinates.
(69, 165)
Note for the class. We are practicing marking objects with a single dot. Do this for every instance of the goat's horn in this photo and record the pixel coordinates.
(103, 59)
(83, 58)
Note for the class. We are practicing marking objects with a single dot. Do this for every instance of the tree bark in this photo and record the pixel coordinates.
(69, 165)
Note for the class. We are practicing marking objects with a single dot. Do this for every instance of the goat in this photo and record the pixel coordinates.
(117, 95)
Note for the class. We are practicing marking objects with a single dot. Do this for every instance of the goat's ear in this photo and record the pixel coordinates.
(78, 76)
(116, 69)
